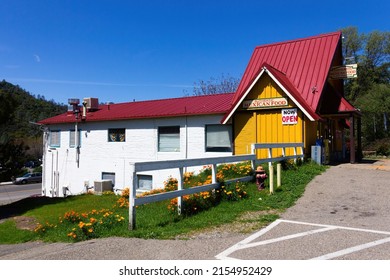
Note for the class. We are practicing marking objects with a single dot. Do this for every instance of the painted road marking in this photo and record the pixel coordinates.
(247, 243)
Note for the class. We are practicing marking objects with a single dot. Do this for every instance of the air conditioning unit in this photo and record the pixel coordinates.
(92, 104)
(102, 186)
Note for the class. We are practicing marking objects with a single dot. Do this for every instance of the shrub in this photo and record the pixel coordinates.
(195, 203)
(233, 192)
(86, 225)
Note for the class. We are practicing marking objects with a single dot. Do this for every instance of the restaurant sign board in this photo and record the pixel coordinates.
(264, 103)
(343, 72)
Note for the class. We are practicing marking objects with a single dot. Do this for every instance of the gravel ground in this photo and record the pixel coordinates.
(351, 195)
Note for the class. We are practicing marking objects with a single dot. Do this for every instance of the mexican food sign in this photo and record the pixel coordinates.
(264, 103)
(343, 72)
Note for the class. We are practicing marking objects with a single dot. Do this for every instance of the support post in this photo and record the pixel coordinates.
(359, 139)
(253, 161)
(132, 197)
(278, 175)
(213, 173)
(295, 154)
(352, 140)
(271, 179)
(180, 187)
(269, 157)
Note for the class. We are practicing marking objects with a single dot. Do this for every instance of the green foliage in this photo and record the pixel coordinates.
(9, 234)
(153, 220)
(370, 92)
(21, 141)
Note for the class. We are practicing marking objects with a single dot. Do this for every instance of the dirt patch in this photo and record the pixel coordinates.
(26, 223)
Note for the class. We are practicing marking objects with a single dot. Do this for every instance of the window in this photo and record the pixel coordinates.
(169, 139)
(109, 176)
(116, 135)
(145, 182)
(218, 138)
(55, 138)
(72, 138)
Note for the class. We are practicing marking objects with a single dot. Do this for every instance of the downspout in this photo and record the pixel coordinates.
(53, 174)
(44, 161)
(186, 143)
(57, 183)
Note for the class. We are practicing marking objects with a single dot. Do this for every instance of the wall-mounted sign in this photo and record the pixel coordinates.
(343, 72)
(264, 103)
(290, 116)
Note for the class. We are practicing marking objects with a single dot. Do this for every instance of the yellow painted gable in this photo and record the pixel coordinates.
(264, 125)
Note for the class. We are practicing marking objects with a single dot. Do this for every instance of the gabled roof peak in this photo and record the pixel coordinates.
(304, 64)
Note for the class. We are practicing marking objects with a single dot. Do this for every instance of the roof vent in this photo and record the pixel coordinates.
(92, 104)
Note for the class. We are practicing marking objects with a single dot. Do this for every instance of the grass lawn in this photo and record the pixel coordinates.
(101, 215)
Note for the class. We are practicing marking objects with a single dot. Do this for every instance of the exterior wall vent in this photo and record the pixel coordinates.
(92, 104)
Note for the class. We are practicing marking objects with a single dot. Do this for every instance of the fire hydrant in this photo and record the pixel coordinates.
(260, 178)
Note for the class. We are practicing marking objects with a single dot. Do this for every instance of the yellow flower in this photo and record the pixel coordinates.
(81, 224)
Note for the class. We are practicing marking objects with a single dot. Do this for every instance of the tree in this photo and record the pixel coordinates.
(372, 54)
(17, 136)
(375, 108)
(223, 84)
(371, 90)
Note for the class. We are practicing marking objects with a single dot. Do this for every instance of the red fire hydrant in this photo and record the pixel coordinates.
(260, 178)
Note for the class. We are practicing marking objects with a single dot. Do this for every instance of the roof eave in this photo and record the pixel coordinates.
(227, 117)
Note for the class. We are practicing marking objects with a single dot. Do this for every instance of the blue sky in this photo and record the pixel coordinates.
(119, 51)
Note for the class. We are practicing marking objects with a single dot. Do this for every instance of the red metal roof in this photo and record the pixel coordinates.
(185, 106)
(304, 64)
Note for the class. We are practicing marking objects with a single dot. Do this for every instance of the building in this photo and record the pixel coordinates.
(111, 136)
(287, 94)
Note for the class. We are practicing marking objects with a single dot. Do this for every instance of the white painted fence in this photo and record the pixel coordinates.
(181, 164)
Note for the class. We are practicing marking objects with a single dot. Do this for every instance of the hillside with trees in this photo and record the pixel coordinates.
(370, 92)
(20, 139)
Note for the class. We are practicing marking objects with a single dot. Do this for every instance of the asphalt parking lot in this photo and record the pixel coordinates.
(343, 214)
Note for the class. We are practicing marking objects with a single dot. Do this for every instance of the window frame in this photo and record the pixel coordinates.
(72, 137)
(51, 138)
(117, 137)
(220, 149)
(163, 149)
(145, 177)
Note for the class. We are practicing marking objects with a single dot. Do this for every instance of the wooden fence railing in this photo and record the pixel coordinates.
(183, 163)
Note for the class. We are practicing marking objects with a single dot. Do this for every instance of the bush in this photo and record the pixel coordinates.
(86, 225)
(383, 149)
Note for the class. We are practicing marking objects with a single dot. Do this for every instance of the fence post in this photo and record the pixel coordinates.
(132, 196)
(278, 175)
(213, 173)
(269, 157)
(180, 187)
(295, 154)
(253, 161)
(271, 179)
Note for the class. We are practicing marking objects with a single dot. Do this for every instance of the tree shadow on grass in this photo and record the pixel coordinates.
(20, 207)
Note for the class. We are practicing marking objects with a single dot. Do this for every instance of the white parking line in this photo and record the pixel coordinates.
(352, 249)
(246, 243)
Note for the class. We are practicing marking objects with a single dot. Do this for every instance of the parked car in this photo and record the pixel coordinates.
(35, 177)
